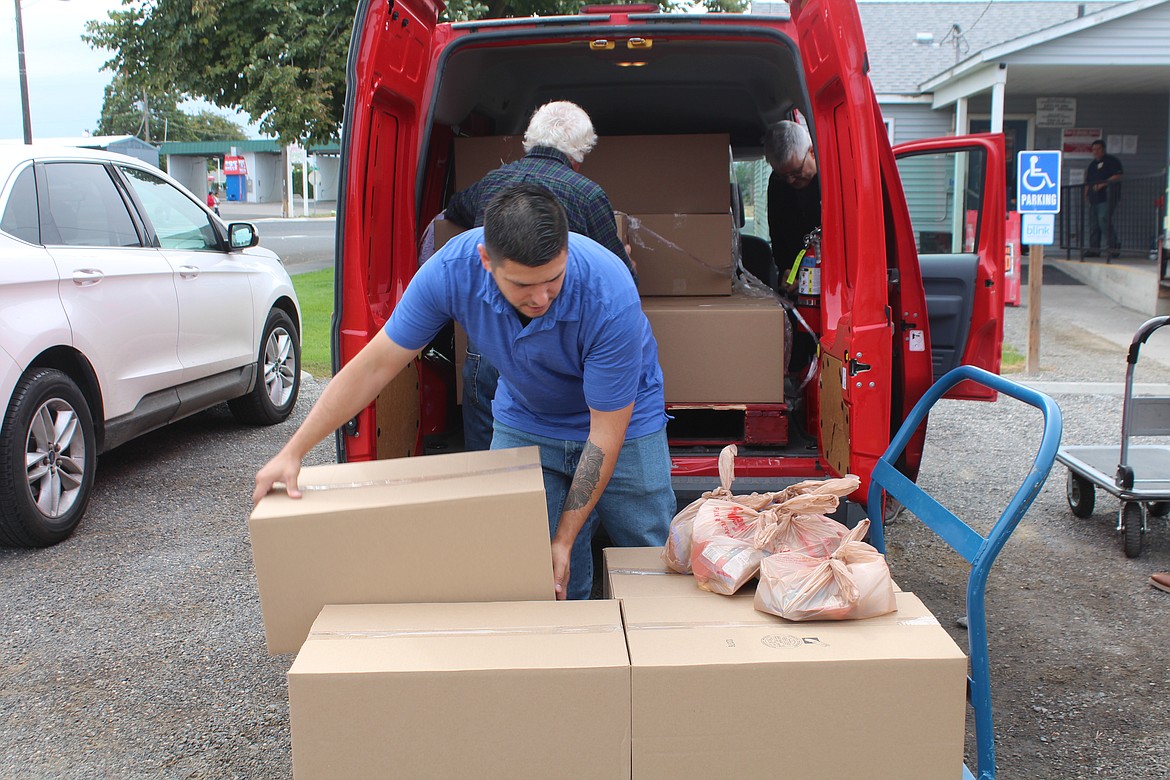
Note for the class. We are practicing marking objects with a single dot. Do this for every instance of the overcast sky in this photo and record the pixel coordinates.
(65, 80)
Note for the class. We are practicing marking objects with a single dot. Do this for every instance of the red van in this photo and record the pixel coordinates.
(911, 250)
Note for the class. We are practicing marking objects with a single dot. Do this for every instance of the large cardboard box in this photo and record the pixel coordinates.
(638, 572)
(468, 526)
(476, 156)
(520, 690)
(721, 690)
(719, 349)
(663, 174)
(641, 174)
(682, 254)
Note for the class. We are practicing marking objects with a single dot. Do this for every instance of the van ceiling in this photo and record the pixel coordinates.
(685, 86)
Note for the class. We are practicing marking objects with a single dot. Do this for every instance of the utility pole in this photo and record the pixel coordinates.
(23, 75)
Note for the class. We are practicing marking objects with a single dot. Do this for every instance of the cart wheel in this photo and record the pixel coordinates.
(1132, 522)
(1158, 508)
(1081, 495)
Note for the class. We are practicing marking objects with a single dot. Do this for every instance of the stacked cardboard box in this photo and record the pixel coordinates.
(721, 690)
(467, 526)
(719, 350)
(675, 190)
(520, 690)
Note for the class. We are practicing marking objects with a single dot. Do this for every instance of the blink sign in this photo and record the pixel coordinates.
(1038, 182)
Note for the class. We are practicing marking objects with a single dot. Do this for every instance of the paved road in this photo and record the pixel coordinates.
(303, 244)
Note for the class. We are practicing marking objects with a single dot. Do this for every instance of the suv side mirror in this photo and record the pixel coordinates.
(242, 235)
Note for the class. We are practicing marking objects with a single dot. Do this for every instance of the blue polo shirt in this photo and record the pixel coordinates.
(592, 349)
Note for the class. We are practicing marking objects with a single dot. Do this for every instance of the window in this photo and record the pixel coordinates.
(85, 207)
(20, 214)
(178, 221)
(944, 192)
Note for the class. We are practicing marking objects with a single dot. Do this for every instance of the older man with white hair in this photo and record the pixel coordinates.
(558, 137)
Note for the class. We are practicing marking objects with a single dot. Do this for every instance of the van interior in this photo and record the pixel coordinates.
(682, 81)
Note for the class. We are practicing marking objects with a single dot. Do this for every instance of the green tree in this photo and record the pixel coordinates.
(130, 109)
(280, 60)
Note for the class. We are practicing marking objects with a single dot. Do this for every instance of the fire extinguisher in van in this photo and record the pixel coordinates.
(808, 280)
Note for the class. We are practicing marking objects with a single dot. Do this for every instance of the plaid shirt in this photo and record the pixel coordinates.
(585, 203)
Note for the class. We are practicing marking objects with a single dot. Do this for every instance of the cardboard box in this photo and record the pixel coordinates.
(520, 690)
(719, 349)
(641, 174)
(622, 224)
(638, 572)
(476, 156)
(469, 526)
(445, 230)
(721, 690)
(682, 254)
(663, 174)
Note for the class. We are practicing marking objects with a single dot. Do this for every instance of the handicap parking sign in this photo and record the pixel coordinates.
(1038, 182)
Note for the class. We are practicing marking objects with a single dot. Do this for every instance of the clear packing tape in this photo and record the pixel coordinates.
(402, 481)
(416, 633)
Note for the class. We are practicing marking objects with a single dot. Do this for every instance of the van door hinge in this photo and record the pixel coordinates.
(857, 367)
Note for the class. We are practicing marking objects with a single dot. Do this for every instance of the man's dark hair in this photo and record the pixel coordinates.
(1098, 142)
(526, 224)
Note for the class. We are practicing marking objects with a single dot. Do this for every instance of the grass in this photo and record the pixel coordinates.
(1012, 359)
(315, 292)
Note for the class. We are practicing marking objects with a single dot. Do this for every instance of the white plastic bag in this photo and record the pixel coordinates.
(676, 553)
(853, 583)
(730, 540)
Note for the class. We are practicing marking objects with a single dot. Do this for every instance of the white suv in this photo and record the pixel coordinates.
(124, 305)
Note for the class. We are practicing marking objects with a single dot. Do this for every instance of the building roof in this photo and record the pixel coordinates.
(912, 42)
(224, 147)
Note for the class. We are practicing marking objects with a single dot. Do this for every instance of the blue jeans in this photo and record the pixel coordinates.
(636, 507)
(479, 388)
(1101, 225)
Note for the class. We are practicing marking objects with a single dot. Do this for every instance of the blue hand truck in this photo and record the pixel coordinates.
(978, 550)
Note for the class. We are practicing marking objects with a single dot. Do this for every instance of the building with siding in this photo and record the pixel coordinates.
(1048, 74)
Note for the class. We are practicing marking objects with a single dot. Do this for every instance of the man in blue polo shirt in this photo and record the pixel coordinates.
(559, 315)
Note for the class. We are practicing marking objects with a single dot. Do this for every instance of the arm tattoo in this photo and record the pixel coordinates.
(585, 478)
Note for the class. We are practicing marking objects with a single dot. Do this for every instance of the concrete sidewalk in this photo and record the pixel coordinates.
(1084, 340)
(254, 212)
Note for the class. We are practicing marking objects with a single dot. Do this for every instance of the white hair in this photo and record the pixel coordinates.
(562, 125)
(786, 143)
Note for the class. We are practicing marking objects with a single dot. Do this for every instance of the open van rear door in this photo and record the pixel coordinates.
(954, 190)
(856, 363)
(376, 216)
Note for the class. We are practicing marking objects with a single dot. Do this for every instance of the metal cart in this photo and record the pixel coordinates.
(1138, 475)
(978, 550)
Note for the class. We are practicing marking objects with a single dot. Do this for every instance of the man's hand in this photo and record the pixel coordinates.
(283, 468)
(561, 553)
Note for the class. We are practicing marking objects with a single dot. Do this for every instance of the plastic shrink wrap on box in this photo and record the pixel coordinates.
(852, 583)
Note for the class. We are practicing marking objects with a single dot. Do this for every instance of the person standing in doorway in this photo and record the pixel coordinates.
(1102, 192)
(794, 191)
(558, 137)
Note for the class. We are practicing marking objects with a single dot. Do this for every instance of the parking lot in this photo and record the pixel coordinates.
(136, 649)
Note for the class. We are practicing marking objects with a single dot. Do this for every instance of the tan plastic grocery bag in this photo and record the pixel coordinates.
(730, 540)
(676, 553)
(852, 583)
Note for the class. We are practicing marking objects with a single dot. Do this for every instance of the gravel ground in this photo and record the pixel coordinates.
(135, 649)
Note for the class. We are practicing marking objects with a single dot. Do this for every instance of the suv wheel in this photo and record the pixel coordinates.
(48, 455)
(278, 375)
